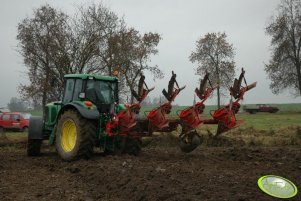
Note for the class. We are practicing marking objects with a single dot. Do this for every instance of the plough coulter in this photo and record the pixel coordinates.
(90, 115)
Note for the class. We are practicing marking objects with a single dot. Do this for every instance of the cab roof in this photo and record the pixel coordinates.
(93, 76)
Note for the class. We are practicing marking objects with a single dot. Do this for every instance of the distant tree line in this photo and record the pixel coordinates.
(18, 105)
(96, 40)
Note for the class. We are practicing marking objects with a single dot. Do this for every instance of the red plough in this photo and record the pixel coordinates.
(225, 117)
(126, 122)
(190, 117)
(158, 117)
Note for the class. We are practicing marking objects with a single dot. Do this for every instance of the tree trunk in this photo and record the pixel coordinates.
(298, 66)
(110, 70)
(218, 87)
(218, 98)
(44, 99)
(45, 90)
(132, 98)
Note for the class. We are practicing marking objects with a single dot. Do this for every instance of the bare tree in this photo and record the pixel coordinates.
(95, 40)
(131, 53)
(93, 26)
(215, 55)
(119, 47)
(284, 68)
(42, 43)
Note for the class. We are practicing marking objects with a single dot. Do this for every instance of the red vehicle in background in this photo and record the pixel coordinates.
(262, 108)
(14, 121)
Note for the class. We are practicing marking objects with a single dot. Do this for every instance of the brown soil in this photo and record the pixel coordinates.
(158, 173)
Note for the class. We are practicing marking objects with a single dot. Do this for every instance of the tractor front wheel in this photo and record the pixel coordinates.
(75, 136)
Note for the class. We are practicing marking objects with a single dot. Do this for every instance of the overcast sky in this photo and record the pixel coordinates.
(180, 24)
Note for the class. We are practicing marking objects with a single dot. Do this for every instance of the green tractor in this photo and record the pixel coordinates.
(77, 124)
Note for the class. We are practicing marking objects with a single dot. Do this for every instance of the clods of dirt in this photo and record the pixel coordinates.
(158, 173)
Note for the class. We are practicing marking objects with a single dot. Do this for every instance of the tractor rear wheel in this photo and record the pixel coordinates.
(75, 136)
(35, 136)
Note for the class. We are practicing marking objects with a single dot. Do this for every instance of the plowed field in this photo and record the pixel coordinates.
(158, 173)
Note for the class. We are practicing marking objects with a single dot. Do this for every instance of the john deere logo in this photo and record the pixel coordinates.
(277, 186)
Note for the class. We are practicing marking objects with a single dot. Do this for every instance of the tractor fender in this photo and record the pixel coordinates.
(35, 129)
(86, 113)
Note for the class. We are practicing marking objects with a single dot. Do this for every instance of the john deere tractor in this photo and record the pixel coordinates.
(77, 124)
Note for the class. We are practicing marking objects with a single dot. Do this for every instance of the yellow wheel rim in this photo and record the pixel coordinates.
(68, 135)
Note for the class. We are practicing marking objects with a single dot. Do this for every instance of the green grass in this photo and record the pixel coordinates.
(289, 115)
(289, 107)
(12, 141)
(268, 121)
(13, 136)
(36, 112)
(271, 129)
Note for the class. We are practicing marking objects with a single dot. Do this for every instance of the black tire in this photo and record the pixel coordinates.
(35, 136)
(133, 146)
(34, 147)
(85, 136)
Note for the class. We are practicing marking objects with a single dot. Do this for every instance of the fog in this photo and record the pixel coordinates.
(180, 24)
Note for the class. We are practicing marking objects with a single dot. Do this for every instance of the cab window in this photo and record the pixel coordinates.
(99, 91)
(77, 89)
(68, 90)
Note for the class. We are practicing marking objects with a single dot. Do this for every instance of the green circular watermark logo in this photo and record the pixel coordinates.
(277, 186)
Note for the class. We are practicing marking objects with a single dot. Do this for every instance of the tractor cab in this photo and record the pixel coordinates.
(101, 91)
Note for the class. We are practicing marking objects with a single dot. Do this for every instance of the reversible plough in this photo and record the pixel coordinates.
(127, 122)
(90, 115)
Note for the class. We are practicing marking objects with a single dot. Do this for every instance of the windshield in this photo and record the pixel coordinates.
(103, 92)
